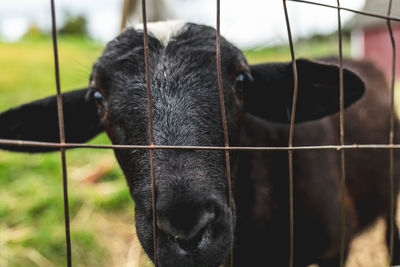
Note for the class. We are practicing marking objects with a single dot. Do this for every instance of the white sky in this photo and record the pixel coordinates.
(247, 23)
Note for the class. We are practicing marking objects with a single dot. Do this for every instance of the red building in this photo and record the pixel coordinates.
(371, 39)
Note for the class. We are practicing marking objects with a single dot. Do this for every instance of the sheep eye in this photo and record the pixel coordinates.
(240, 78)
(240, 82)
(98, 98)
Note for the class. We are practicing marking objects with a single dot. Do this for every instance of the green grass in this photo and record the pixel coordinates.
(28, 68)
(31, 203)
(302, 49)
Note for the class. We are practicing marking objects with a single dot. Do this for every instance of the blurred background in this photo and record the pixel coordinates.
(102, 213)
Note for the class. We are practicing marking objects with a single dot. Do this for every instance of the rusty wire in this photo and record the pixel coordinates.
(22, 143)
(150, 125)
(369, 14)
(291, 134)
(62, 135)
(391, 137)
(223, 116)
(342, 152)
(290, 148)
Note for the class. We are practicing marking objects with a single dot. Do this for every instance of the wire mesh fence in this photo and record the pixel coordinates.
(341, 148)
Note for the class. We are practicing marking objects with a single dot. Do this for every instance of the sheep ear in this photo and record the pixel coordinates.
(269, 94)
(38, 121)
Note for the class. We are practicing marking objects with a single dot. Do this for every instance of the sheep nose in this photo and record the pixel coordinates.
(184, 231)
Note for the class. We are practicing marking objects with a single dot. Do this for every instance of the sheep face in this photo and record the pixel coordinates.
(194, 223)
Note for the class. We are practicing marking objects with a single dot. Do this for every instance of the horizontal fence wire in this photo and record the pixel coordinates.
(379, 16)
(22, 143)
(62, 145)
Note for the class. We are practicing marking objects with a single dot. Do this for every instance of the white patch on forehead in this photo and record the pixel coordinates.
(163, 30)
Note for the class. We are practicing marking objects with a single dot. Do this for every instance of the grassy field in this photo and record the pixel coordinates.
(303, 49)
(31, 204)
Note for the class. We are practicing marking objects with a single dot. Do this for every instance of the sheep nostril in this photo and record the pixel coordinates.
(188, 240)
(192, 243)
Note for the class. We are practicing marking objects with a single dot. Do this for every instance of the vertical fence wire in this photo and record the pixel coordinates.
(223, 115)
(150, 129)
(291, 134)
(342, 152)
(62, 134)
(391, 137)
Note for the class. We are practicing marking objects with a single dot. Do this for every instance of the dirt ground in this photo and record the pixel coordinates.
(367, 250)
